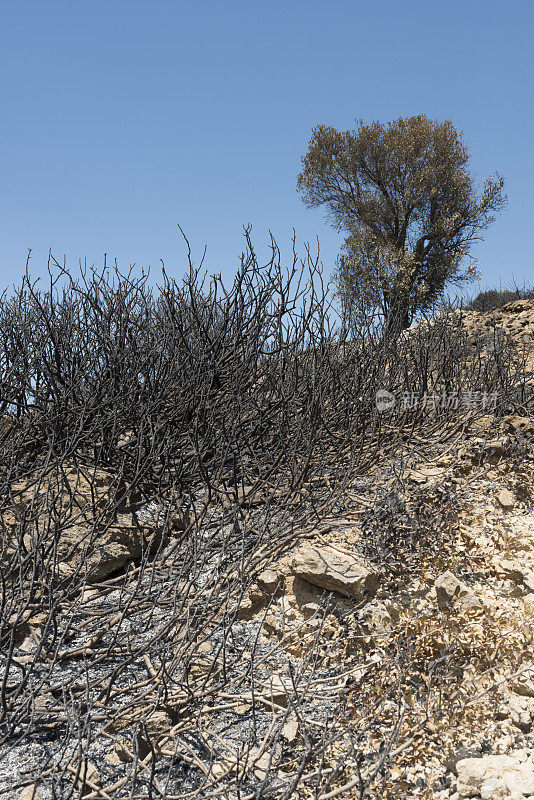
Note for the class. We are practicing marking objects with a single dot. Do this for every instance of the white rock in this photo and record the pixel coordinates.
(521, 711)
(509, 569)
(332, 570)
(261, 766)
(269, 580)
(291, 728)
(494, 789)
(524, 683)
(506, 499)
(520, 781)
(476, 773)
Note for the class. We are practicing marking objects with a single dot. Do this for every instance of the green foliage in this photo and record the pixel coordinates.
(404, 195)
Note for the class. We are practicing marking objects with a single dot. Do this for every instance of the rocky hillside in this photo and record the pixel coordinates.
(377, 644)
(445, 620)
(515, 320)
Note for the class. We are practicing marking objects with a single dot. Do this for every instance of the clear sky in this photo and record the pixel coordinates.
(120, 119)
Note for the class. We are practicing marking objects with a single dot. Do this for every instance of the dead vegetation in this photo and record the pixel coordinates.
(164, 452)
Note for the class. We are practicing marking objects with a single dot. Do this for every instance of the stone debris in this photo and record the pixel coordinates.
(506, 499)
(269, 581)
(519, 709)
(335, 571)
(450, 589)
(291, 728)
(508, 568)
(494, 777)
(261, 766)
(335, 591)
(118, 755)
(154, 733)
(31, 793)
(94, 545)
(517, 424)
(102, 554)
(523, 684)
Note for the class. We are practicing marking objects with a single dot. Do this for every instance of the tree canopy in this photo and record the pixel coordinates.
(405, 196)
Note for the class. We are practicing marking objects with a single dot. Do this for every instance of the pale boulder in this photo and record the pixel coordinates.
(492, 773)
(506, 499)
(99, 554)
(333, 570)
(523, 684)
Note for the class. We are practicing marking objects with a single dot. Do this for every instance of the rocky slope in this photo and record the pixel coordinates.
(394, 637)
(515, 320)
(462, 605)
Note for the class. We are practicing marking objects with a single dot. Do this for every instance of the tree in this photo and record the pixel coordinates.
(404, 195)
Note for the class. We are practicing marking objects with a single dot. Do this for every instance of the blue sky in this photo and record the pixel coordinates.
(122, 119)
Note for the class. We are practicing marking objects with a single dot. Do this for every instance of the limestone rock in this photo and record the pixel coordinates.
(484, 424)
(506, 499)
(517, 424)
(291, 728)
(247, 608)
(520, 710)
(261, 766)
(520, 782)
(279, 621)
(449, 588)
(103, 553)
(494, 789)
(458, 752)
(506, 568)
(335, 571)
(299, 593)
(156, 728)
(222, 768)
(269, 581)
(309, 610)
(99, 534)
(528, 602)
(253, 600)
(524, 683)
(376, 617)
(260, 763)
(476, 773)
(279, 690)
(276, 693)
(495, 449)
(30, 793)
(119, 754)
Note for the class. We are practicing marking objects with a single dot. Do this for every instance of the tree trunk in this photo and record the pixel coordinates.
(398, 319)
